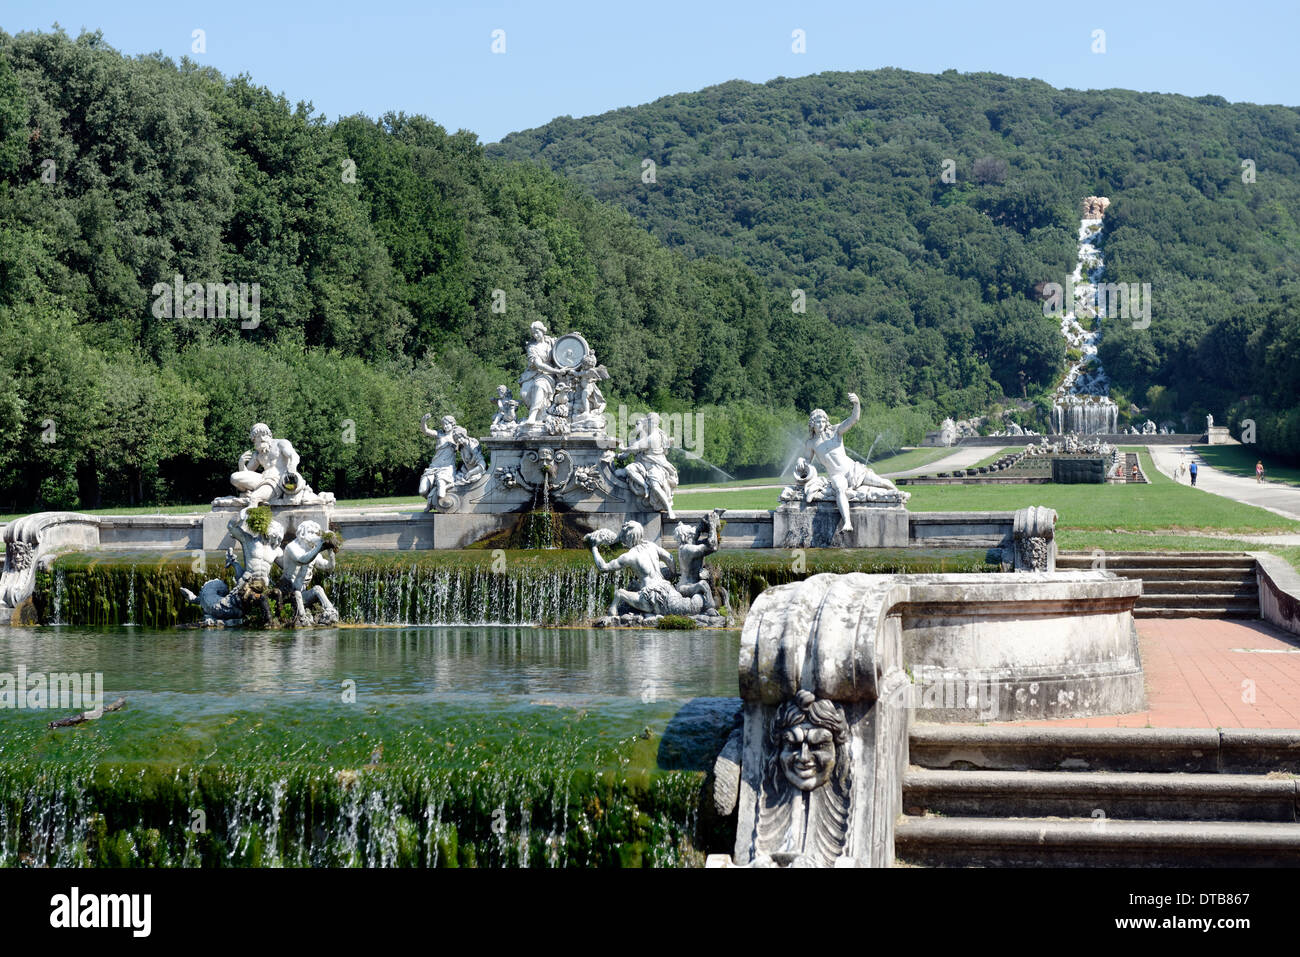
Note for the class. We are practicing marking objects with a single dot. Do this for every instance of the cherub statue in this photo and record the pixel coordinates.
(308, 551)
(693, 545)
(504, 422)
(590, 401)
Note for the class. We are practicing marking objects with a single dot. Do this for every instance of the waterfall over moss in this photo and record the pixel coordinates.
(526, 586)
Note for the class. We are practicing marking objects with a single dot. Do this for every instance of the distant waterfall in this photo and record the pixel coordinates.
(1082, 404)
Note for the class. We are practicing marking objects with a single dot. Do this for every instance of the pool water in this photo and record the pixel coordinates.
(411, 746)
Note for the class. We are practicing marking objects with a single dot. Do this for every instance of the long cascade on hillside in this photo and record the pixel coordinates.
(1082, 401)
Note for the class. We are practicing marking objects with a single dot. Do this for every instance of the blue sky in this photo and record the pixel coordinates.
(575, 58)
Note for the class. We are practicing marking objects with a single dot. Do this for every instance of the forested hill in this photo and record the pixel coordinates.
(397, 266)
(834, 184)
(397, 271)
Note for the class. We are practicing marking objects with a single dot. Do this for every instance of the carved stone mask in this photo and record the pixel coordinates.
(810, 734)
(808, 756)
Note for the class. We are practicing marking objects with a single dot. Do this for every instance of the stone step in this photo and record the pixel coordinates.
(1088, 842)
(1243, 589)
(1100, 795)
(1200, 600)
(1164, 750)
(1180, 574)
(1201, 611)
(1156, 560)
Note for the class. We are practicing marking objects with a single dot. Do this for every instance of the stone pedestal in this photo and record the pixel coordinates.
(800, 525)
(568, 465)
(1072, 470)
(1219, 435)
(217, 538)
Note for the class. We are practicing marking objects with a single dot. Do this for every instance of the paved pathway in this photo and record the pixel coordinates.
(1280, 499)
(1211, 673)
(963, 457)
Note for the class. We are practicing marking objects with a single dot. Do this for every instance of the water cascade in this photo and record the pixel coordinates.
(1082, 405)
(529, 586)
(549, 807)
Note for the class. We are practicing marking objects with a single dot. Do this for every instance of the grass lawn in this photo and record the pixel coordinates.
(736, 498)
(127, 510)
(412, 500)
(1164, 505)
(1240, 460)
(378, 502)
(738, 483)
(902, 462)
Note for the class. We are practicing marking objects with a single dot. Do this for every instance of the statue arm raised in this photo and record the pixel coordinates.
(852, 420)
(236, 528)
(424, 425)
(604, 566)
(309, 555)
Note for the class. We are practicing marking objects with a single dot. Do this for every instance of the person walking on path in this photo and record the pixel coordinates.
(1193, 471)
(1259, 472)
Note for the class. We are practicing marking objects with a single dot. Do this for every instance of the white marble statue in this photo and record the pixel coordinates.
(457, 460)
(694, 544)
(260, 550)
(537, 384)
(651, 592)
(268, 474)
(308, 551)
(845, 481)
(650, 475)
(504, 422)
(589, 402)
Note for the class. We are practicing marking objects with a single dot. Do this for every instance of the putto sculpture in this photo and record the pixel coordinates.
(267, 474)
(653, 591)
(504, 422)
(309, 550)
(693, 546)
(845, 481)
(457, 463)
(260, 587)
